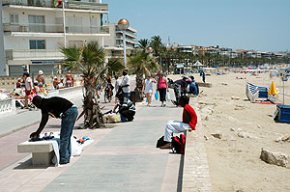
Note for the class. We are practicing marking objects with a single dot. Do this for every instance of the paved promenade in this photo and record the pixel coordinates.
(122, 158)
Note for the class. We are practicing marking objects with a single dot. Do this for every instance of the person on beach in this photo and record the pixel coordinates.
(148, 89)
(162, 87)
(202, 74)
(58, 107)
(189, 120)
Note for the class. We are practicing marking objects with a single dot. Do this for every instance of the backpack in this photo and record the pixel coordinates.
(178, 144)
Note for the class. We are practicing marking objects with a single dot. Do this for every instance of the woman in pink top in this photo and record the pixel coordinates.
(162, 87)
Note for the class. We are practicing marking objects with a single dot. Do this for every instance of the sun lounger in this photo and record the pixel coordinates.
(255, 92)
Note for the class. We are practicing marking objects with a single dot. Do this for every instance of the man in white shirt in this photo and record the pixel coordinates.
(125, 84)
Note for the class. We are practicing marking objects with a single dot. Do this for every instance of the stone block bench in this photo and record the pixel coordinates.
(42, 151)
(196, 175)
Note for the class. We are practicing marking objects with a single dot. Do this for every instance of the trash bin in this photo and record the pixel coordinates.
(282, 114)
(136, 96)
(133, 96)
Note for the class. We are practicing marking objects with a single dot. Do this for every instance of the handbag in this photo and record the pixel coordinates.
(156, 95)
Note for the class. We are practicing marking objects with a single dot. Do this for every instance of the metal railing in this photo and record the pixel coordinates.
(54, 28)
(14, 54)
(50, 4)
(7, 105)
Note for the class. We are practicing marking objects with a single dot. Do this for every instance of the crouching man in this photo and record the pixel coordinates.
(189, 120)
(58, 107)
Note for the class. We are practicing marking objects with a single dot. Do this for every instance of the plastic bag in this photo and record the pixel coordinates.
(156, 95)
(168, 96)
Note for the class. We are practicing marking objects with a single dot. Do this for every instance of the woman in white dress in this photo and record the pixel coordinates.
(148, 89)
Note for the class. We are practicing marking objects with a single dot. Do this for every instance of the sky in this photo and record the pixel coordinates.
(262, 25)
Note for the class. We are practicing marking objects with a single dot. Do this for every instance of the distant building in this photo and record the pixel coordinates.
(32, 32)
(185, 49)
(113, 44)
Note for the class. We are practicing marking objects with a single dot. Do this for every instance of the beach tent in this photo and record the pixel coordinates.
(197, 65)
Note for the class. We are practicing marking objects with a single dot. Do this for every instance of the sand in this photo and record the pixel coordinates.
(234, 161)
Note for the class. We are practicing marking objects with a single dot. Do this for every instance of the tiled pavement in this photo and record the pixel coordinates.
(123, 158)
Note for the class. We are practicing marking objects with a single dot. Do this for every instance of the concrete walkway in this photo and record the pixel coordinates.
(123, 158)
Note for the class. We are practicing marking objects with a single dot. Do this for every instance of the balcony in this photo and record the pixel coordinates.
(87, 6)
(33, 54)
(87, 29)
(33, 28)
(101, 7)
(55, 28)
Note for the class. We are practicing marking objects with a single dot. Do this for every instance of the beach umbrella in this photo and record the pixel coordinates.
(272, 89)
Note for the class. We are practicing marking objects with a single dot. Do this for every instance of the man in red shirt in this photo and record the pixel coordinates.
(189, 120)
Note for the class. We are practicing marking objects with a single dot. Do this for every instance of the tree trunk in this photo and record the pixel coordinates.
(92, 112)
(139, 88)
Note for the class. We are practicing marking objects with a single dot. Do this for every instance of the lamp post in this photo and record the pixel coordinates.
(64, 23)
(123, 25)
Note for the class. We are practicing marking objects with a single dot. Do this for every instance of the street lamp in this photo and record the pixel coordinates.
(123, 25)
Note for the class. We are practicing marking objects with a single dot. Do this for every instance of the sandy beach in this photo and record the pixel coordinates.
(244, 128)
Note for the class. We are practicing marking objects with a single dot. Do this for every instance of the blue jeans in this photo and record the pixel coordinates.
(126, 97)
(67, 125)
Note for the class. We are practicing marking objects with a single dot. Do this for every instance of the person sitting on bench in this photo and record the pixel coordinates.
(189, 120)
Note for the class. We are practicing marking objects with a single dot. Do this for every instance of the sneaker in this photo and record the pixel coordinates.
(63, 162)
(167, 145)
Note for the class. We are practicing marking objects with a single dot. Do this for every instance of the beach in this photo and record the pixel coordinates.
(236, 131)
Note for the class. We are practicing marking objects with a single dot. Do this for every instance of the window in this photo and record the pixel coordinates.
(37, 44)
(36, 23)
(14, 19)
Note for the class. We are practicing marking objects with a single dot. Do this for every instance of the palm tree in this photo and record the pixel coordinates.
(142, 63)
(114, 66)
(156, 45)
(144, 44)
(89, 60)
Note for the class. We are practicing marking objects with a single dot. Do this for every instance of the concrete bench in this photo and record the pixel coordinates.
(196, 175)
(42, 151)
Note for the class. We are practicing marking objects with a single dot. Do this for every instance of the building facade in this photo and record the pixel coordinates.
(33, 31)
(113, 44)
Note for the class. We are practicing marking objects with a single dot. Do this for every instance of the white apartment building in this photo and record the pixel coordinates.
(114, 43)
(33, 31)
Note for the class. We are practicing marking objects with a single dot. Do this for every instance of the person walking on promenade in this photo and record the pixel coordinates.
(162, 87)
(58, 107)
(189, 120)
(117, 86)
(28, 88)
(69, 80)
(125, 85)
(148, 89)
(108, 90)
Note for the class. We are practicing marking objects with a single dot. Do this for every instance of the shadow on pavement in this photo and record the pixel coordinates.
(28, 165)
